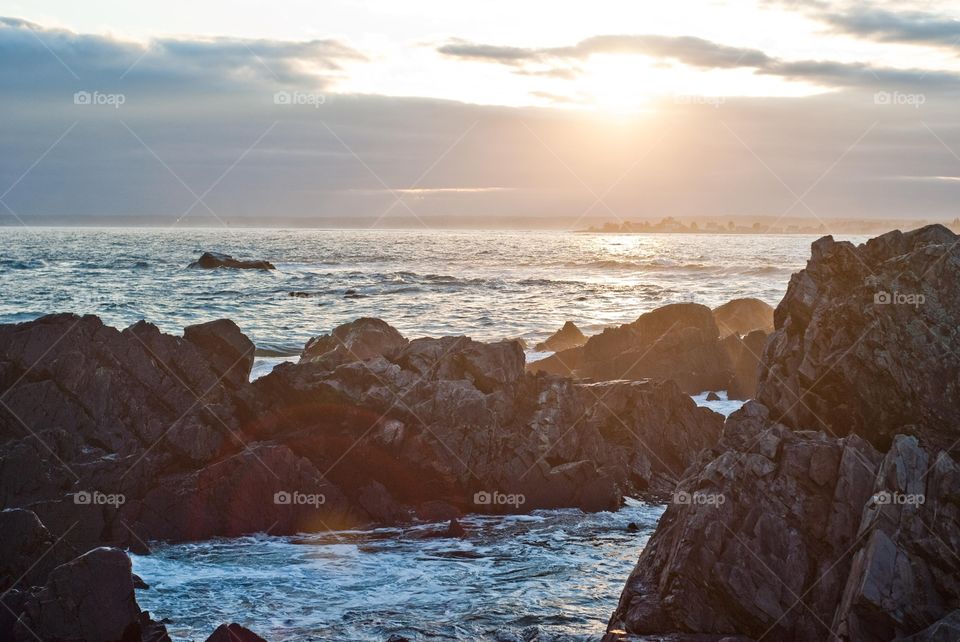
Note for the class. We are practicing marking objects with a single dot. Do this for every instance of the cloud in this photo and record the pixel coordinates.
(702, 54)
(34, 58)
(911, 27)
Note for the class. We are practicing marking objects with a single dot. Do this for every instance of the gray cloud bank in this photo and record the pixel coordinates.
(200, 134)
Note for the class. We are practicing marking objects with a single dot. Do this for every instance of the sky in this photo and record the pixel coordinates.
(380, 112)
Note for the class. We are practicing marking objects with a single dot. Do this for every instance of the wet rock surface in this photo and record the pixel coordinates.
(214, 260)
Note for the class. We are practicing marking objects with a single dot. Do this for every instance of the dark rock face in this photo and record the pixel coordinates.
(866, 338)
(457, 420)
(136, 435)
(749, 532)
(744, 354)
(214, 260)
(818, 536)
(743, 316)
(234, 633)
(676, 342)
(569, 336)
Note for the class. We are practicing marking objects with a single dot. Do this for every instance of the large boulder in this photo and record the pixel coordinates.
(569, 336)
(214, 260)
(90, 598)
(357, 340)
(233, 633)
(867, 340)
(743, 316)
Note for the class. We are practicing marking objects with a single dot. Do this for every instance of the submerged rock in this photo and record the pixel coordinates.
(569, 336)
(214, 260)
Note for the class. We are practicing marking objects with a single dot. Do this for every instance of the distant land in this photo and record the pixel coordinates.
(739, 224)
(671, 225)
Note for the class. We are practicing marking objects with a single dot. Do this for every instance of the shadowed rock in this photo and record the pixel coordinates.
(214, 260)
(744, 354)
(743, 316)
(569, 336)
(233, 633)
(820, 536)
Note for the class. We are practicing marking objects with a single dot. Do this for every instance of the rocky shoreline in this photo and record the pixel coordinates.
(830, 508)
(790, 520)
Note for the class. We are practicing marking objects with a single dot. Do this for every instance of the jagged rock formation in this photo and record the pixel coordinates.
(743, 354)
(569, 336)
(137, 435)
(820, 535)
(214, 260)
(867, 340)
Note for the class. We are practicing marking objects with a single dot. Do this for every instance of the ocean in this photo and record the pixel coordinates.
(552, 575)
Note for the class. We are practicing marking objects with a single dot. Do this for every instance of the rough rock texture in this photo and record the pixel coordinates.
(743, 354)
(678, 342)
(789, 513)
(743, 316)
(91, 414)
(569, 336)
(358, 340)
(234, 633)
(214, 260)
(449, 418)
(122, 437)
(844, 359)
(818, 536)
(89, 598)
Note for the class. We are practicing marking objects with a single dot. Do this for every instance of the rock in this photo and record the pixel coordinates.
(454, 529)
(565, 363)
(748, 532)
(712, 396)
(398, 638)
(785, 532)
(632, 527)
(233, 633)
(678, 341)
(213, 260)
(569, 336)
(138, 583)
(438, 511)
(866, 336)
(139, 435)
(946, 629)
(355, 341)
(90, 598)
(226, 348)
(27, 552)
(457, 419)
(744, 358)
(743, 316)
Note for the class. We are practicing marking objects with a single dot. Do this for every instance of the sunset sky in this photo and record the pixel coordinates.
(536, 110)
